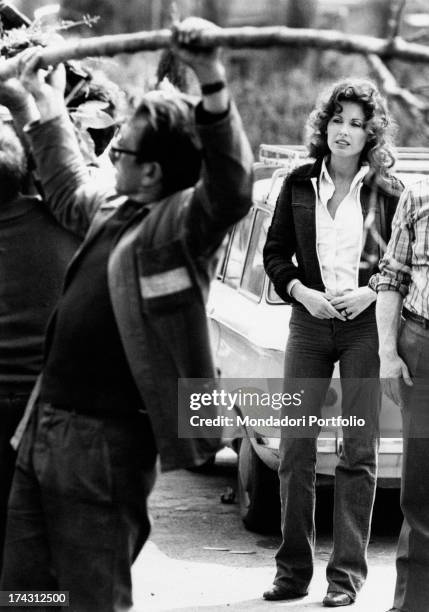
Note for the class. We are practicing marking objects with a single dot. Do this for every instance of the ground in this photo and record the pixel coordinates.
(180, 570)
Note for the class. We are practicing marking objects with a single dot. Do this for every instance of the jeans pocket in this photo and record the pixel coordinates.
(74, 461)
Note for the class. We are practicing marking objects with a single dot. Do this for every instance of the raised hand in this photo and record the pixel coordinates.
(205, 62)
(46, 86)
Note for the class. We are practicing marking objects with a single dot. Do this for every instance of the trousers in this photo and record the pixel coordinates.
(314, 345)
(12, 408)
(77, 515)
(412, 559)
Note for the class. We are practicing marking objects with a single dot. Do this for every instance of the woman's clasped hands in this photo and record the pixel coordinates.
(346, 306)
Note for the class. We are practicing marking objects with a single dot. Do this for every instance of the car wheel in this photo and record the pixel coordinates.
(258, 492)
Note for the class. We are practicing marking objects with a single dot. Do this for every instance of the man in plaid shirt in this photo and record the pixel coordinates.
(403, 285)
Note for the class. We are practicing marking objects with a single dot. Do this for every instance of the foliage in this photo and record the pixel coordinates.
(274, 100)
(274, 95)
(114, 16)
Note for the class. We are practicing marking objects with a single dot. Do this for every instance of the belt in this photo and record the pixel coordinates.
(412, 316)
(65, 408)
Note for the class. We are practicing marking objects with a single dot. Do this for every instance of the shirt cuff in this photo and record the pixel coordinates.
(203, 117)
(388, 285)
(291, 284)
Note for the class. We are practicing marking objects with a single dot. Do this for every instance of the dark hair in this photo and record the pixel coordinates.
(13, 163)
(377, 151)
(169, 137)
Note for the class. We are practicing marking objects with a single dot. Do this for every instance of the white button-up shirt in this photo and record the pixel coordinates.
(339, 239)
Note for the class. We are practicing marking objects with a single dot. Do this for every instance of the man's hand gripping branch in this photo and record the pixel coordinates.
(46, 86)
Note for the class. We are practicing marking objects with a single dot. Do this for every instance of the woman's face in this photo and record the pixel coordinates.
(346, 131)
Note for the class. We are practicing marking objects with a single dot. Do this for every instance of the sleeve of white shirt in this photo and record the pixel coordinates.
(291, 284)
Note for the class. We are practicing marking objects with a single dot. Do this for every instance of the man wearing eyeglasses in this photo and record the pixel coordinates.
(130, 323)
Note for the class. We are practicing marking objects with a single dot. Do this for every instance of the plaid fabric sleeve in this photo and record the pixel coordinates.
(395, 267)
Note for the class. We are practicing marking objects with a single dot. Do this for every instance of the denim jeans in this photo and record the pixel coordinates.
(412, 559)
(77, 510)
(12, 408)
(314, 345)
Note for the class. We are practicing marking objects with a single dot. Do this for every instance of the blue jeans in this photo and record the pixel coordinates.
(77, 510)
(314, 345)
(412, 559)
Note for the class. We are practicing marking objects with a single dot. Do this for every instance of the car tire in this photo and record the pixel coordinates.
(258, 492)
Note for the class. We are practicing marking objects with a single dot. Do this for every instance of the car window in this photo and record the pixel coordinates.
(237, 252)
(273, 298)
(254, 273)
(222, 256)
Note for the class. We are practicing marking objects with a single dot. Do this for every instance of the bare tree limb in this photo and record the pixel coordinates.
(416, 108)
(423, 90)
(422, 34)
(234, 38)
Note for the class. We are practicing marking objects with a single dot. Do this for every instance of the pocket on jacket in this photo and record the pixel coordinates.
(165, 281)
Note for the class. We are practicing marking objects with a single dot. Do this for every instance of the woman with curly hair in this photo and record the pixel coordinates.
(331, 221)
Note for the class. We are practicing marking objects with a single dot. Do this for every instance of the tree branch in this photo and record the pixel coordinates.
(422, 34)
(234, 38)
(414, 106)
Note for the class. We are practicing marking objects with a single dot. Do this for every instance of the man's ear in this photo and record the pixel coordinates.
(151, 174)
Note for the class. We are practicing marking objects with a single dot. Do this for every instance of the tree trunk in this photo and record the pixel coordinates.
(382, 13)
(299, 14)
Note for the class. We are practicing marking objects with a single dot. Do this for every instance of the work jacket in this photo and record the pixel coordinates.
(160, 268)
(293, 229)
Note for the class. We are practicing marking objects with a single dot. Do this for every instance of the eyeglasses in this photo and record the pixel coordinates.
(116, 152)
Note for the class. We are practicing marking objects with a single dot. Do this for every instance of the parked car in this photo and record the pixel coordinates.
(249, 328)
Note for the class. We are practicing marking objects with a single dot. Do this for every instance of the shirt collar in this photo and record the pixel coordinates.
(324, 174)
(359, 176)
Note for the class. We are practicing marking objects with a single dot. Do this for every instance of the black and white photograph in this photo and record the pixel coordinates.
(214, 305)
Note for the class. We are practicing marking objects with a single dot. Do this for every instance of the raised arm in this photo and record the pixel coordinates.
(223, 196)
(20, 104)
(65, 179)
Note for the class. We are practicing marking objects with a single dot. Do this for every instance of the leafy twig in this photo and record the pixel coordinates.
(87, 20)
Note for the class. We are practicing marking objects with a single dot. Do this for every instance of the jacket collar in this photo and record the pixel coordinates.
(18, 207)
(309, 171)
(372, 179)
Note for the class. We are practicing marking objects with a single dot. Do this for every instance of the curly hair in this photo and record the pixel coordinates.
(378, 123)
